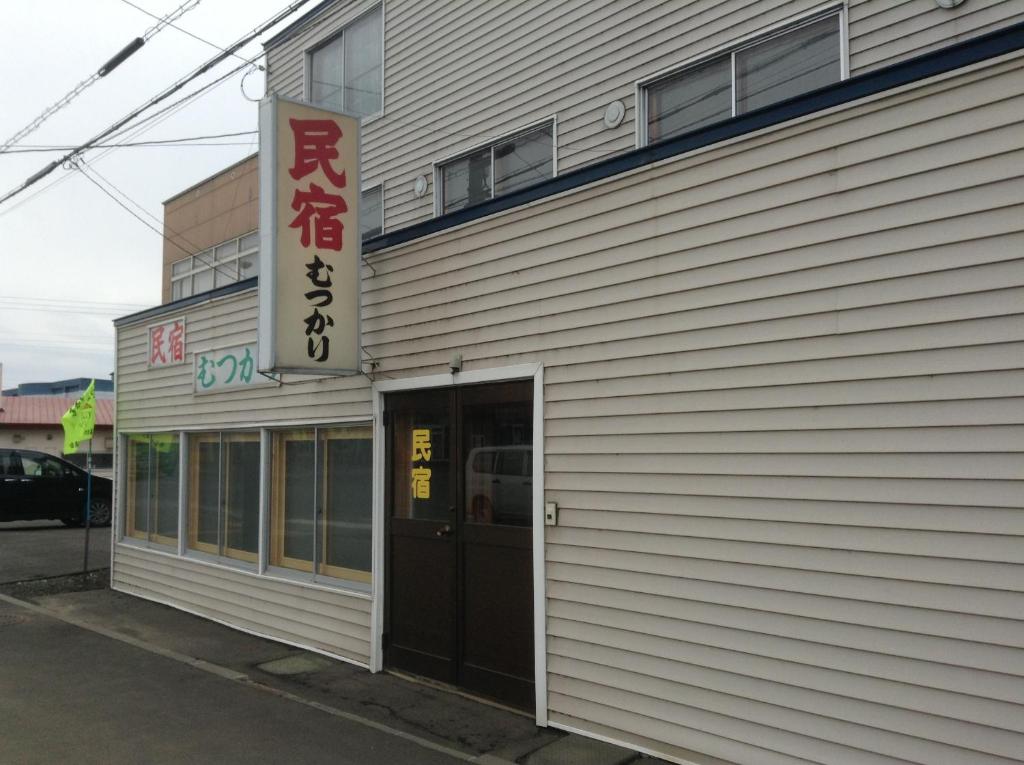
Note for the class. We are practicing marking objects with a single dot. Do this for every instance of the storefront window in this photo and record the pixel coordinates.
(321, 507)
(152, 487)
(224, 478)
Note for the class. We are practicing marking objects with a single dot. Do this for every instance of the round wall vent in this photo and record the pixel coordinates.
(614, 114)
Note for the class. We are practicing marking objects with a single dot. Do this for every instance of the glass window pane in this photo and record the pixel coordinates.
(291, 540)
(166, 448)
(241, 487)
(698, 96)
(467, 181)
(371, 213)
(524, 160)
(226, 251)
(138, 488)
(226, 273)
(498, 437)
(204, 492)
(782, 67)
(250, 241)
(363, 66)
(348, 502)
(181, 267)
(202, 281)
(181, 288)
(249, 266)
(326, 88)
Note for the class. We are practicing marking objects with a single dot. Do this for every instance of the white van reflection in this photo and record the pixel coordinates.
(499, 481)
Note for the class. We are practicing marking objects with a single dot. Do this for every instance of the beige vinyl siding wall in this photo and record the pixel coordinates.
(783, 413)
(460, 73)
(334, 621)
(315, 618)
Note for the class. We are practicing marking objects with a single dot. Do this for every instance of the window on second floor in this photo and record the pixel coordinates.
(504, 166)
(793, 61)
(371, 213)
(229, 262)
(347, 73)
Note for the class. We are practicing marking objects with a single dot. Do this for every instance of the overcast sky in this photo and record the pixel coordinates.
(63, 240)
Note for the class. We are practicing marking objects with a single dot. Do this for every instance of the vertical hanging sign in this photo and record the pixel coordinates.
(310, 247)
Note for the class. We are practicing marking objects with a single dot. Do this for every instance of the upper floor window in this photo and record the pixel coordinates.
(371, 213)
(787, 63)
(348, 72)
(505, 166)
(232, 261)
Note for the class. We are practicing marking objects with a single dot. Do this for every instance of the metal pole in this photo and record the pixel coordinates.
(88, 507)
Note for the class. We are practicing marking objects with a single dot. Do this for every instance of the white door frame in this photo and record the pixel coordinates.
(496, 374)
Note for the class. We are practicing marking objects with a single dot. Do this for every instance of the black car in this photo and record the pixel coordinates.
(35, 486)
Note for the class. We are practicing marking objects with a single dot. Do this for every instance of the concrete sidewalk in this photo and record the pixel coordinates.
(429, 716)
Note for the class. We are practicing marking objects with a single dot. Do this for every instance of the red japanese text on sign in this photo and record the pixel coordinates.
(167, 344)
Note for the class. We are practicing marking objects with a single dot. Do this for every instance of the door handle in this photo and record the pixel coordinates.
(444, 531)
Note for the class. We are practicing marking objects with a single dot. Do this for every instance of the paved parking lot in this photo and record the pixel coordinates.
(38, 549)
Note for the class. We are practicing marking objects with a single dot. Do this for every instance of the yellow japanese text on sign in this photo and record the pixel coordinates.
(421, 453)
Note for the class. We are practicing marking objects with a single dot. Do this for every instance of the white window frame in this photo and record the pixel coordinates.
(307, 58)
(437, 167)
(262, 567)
(206, 261)
(641, 86)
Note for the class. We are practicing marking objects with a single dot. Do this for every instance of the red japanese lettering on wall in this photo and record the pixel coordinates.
(318, 222)
(167, 344)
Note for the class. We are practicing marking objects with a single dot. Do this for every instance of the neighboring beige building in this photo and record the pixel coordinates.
(691, 416)
(33, 422)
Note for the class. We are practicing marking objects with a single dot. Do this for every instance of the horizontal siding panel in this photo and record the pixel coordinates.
(864, 660)
(906, 465)
(855, 515)
(868, 441)
(937, 544)
(914, 570)
(800, 633)
(992, 586)
(870, 416)
(714, 690)
(804, 734)
(339, 625)
(853, 601)
(626, 378)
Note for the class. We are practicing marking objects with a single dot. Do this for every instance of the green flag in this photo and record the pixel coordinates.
(79, 420)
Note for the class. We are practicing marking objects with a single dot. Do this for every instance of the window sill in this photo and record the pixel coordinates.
(319, 582)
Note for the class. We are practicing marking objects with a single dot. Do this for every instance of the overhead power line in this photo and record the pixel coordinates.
(142, 126)
(23, 149)
(162, 96)
(115, 61)
(174, 26)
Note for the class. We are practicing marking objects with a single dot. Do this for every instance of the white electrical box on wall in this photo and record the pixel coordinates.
(550, 513)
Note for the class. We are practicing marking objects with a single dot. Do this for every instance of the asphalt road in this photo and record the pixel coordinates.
(68, 694)
(37, 549)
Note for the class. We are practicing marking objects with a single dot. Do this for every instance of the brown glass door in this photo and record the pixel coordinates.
(459, 493)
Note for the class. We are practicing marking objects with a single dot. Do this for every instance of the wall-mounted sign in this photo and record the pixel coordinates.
(226, 369)
(166, 343)
(310, 247)
(421, 472)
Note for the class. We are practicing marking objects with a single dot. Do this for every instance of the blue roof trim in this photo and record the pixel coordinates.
(177, 305)
(938, 62)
